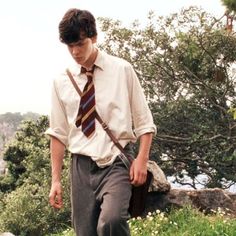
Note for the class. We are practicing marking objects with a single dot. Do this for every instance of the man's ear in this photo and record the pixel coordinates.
(94, 39)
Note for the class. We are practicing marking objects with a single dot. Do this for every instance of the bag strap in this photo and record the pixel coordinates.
(127, 160)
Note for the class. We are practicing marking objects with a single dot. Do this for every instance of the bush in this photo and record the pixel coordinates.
(26, 211)
(24, 207)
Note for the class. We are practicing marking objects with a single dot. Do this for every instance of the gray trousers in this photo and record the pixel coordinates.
(99, 197)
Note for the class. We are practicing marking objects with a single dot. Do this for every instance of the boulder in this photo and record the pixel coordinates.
(6, 234)
(206, 200)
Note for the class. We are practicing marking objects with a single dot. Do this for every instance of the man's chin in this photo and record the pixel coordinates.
(79, 60)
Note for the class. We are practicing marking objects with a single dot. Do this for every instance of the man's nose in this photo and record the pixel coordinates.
(75, 51)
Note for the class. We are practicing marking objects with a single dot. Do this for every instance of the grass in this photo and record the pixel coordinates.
(182, 222)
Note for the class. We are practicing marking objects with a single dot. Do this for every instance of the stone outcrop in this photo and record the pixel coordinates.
(6, 234)
(207, 200)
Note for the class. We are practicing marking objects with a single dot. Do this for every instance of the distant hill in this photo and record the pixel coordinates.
(9, 122)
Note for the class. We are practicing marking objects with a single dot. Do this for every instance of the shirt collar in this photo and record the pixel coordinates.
(100, 59)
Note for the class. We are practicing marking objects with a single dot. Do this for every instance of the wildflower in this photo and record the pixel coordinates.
(155, 233)
(213, 211)
(162, 216)
(158, 211)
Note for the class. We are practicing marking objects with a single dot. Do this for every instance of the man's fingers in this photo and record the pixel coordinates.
(139, 179)
(52, 198)
(55, 200)
(131, 173)
(58, 203)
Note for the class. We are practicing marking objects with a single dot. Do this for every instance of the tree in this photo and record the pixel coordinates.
(185, 64)
(230, 5)
(24, 207)
(29, 147)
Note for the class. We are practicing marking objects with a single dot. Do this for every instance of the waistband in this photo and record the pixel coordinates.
(127, 157)
(122, 156)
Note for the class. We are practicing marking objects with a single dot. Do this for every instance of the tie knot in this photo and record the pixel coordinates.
(87, 72)
(83, 70)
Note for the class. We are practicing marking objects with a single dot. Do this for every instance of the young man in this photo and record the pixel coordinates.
(100, 182)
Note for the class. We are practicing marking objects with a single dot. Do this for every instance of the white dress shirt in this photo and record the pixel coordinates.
(120, 102)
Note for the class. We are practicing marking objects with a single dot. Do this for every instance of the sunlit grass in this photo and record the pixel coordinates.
(182, 222)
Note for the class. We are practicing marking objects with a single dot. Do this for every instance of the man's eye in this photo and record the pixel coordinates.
(80, 44)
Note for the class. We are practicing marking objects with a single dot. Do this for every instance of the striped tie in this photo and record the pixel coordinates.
(87, 113)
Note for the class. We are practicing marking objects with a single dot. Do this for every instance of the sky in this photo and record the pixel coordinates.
(31, 55)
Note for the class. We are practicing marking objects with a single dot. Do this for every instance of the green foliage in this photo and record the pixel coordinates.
(232, 111)
(230, 4)
(186, 221)
(185, 64)
(24, 207)
(67, 232)
(26, 153)
(26, 211)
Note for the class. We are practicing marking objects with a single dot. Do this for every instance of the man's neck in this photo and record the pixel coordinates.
(89, 64)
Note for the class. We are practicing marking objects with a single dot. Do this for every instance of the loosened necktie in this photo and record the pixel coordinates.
(87, 114)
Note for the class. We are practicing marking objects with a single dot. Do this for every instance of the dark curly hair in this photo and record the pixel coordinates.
(75, 23)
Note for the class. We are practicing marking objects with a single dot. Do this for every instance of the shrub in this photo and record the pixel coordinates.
(26, 211)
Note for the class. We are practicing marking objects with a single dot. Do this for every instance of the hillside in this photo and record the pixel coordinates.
(9, 122)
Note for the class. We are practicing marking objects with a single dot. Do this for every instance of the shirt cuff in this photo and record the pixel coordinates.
(145, 129)
(55, 134)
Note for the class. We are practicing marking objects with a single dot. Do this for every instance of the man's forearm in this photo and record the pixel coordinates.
(145, 145)
(57, 154)
(138, 170)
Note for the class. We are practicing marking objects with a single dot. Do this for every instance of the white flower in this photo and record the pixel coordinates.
(158, 211)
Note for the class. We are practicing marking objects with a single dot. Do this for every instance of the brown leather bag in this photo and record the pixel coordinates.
(139, 193)
(139, 197)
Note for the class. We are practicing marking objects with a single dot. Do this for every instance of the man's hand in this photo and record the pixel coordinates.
(138, 171)
(57, 149)
(55, 196)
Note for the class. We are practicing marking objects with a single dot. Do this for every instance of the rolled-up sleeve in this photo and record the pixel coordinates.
(59, 127)
(141, 114)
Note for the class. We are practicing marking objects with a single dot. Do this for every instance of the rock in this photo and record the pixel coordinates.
(7, 234)
(206, 200)
(159, 181)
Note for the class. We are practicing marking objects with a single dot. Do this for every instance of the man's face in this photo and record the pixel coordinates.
(82, 50)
